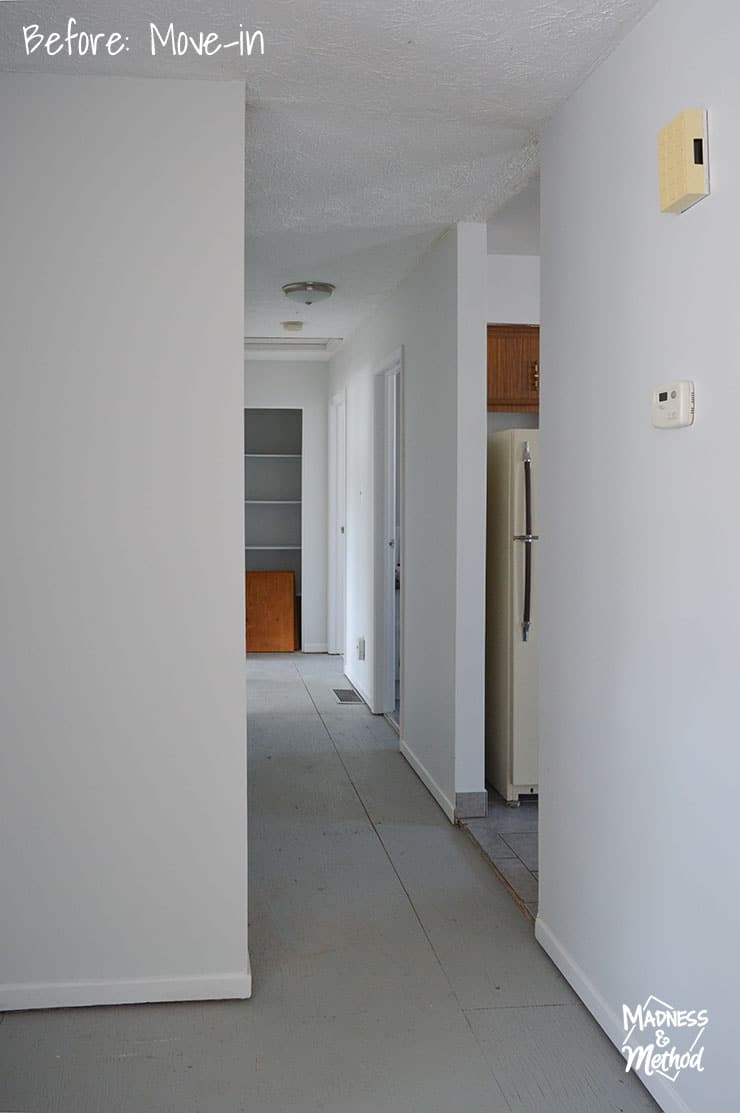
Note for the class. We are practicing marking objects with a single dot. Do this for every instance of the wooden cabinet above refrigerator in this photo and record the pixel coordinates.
(514, 368)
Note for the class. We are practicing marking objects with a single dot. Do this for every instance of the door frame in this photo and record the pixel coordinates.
(388, 462)
(337, 525)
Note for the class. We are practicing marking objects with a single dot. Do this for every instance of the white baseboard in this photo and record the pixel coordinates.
(362, 692)
(316, 647)
(663, 1091)
(428, 780)
(358, 688)
(67, 995)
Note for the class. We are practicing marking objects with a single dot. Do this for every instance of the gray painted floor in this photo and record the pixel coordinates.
(508, 838)
(393, 971)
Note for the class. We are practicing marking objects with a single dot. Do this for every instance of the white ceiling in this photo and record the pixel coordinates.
(370, 127)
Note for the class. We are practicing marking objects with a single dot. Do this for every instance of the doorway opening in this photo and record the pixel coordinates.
(273, 455)
(508, 834)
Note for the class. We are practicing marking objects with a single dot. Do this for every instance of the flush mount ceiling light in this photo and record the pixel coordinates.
(308, 292)
(310, 347)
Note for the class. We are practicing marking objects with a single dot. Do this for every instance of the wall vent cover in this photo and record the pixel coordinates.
(347, 695)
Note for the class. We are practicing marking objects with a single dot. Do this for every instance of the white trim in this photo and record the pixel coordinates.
(316, 647)
(392, 723)
(428, 780)
(664, 1092)
(62, 995)
(304, 509)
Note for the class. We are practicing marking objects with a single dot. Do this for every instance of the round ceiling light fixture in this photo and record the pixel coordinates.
(308, 292)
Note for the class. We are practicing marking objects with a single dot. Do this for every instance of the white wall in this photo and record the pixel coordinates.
(641, 544)
(513, 290)
(444, 504)
(303, 384)
(514, 229)
(470, 567)
(122, 695)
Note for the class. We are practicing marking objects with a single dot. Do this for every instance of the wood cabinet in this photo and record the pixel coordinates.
(271, 612)
(514, 368)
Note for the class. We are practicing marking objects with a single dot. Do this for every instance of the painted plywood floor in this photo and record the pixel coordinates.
(508, 838)
(393, 972)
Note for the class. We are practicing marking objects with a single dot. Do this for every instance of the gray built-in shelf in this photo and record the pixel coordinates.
(273, 444)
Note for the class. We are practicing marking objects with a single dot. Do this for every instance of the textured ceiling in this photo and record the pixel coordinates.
(370, 127)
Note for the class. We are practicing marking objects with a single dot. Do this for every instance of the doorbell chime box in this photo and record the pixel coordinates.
(683, 162)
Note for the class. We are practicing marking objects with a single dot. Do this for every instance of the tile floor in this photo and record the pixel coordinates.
(508, 838)
(393, 973)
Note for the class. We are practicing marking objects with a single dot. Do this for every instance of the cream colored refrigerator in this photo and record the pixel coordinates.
(512, 721)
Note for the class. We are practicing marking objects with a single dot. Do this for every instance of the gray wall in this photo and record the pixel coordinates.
(122, 697)
(641, 545)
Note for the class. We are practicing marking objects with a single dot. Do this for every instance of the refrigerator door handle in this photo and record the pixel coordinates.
(528, 538)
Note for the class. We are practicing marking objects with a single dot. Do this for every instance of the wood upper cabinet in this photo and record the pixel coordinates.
(514, 368)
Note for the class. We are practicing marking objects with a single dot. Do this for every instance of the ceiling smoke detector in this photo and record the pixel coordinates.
(308, 292)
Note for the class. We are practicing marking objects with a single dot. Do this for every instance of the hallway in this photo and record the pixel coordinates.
(393, 972)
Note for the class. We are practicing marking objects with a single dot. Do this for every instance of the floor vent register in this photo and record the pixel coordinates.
(347, 695)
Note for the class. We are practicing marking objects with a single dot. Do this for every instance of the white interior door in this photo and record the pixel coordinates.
(390, 536)
(389, 513)
(337, 522)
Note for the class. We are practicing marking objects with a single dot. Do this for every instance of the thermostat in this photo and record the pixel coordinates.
(673, 405)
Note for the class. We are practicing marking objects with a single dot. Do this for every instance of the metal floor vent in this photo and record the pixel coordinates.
(347, 695)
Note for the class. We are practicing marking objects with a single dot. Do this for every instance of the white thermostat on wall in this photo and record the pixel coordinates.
(673, 405)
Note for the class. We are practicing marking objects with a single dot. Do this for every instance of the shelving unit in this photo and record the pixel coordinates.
(273, 458)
